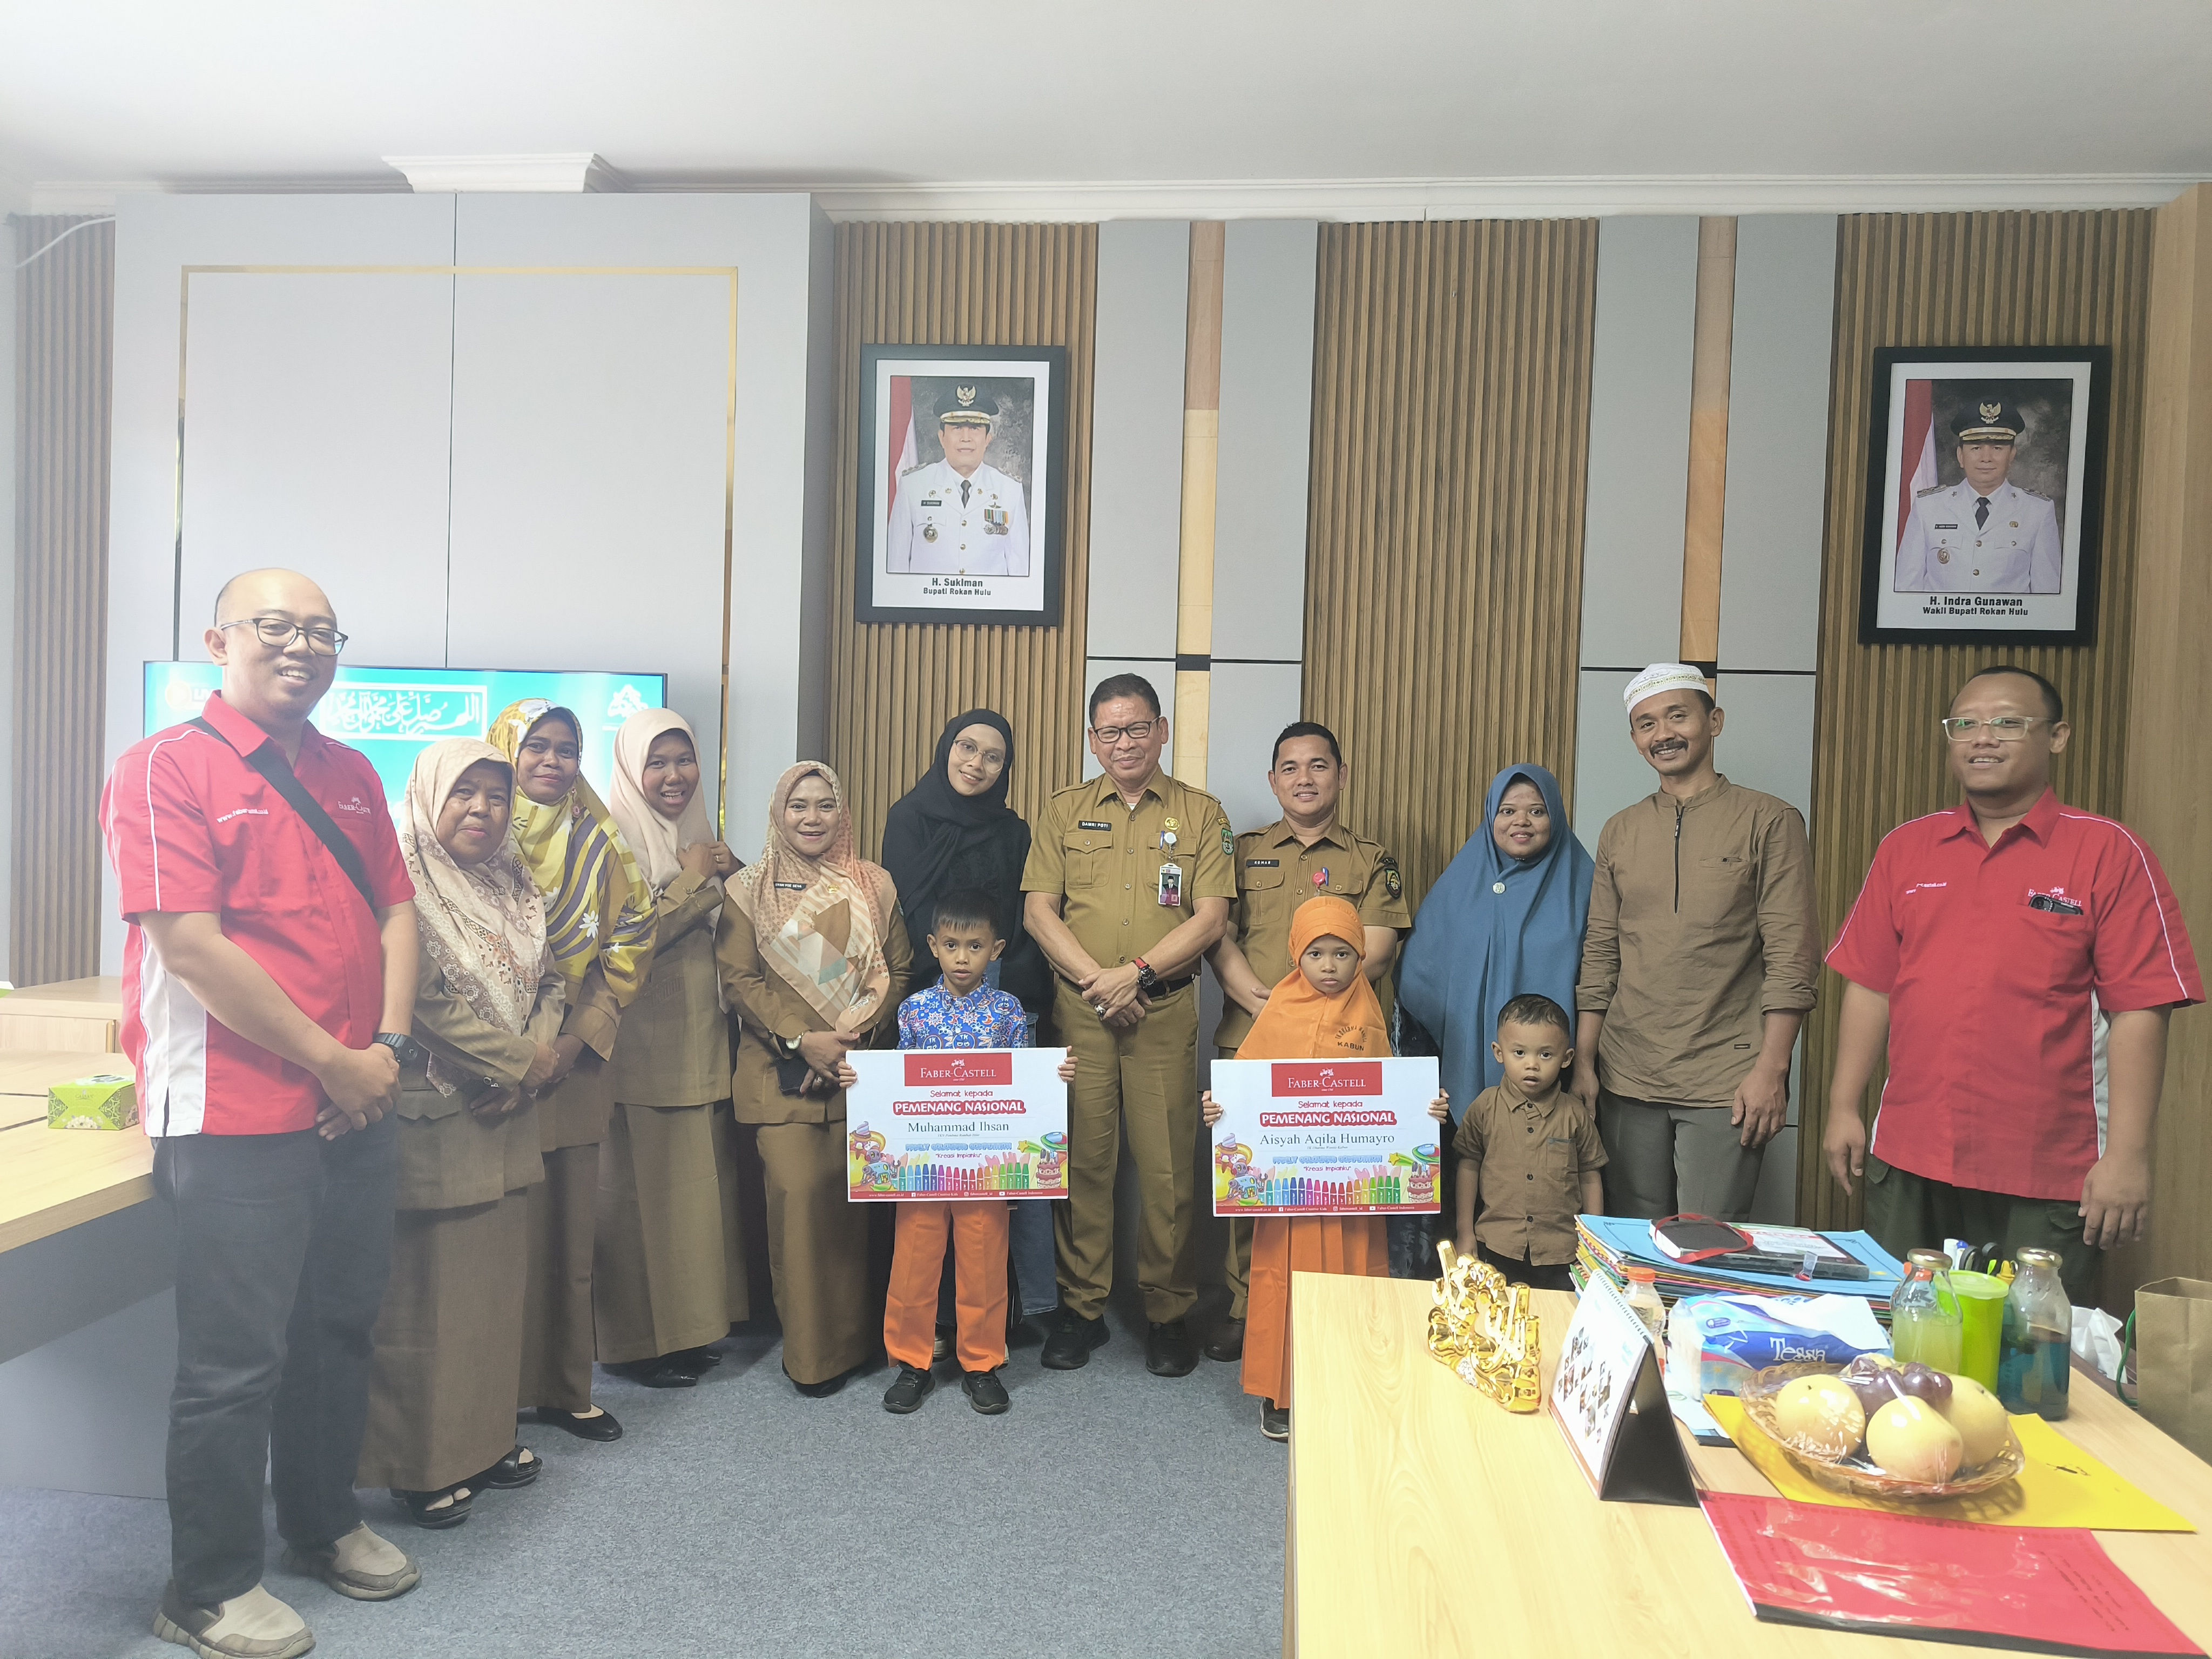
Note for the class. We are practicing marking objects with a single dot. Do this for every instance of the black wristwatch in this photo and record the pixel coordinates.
(404, 1049)
(1147, 981)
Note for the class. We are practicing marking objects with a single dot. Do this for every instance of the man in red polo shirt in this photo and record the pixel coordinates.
(2020, 960)
(267, 990)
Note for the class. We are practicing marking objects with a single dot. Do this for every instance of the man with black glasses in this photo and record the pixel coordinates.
(1128, 886)
(2018, 959)
(267, 990)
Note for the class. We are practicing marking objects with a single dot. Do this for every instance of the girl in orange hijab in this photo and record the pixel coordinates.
(1324, 1009)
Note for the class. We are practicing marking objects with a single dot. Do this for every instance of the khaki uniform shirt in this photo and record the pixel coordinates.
(673, 1049)
(1105, 858)
(1532, 1155)
(1275, 874)
(766, 1006)
(1700, 923)
(449, 1158)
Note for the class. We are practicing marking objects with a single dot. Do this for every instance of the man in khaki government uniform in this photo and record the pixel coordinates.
(1129, 883)
(1303, 853)
(1983, 534)
(960, 516)
(1698, 968)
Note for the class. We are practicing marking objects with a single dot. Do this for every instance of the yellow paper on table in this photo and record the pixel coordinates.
(2062, 1485)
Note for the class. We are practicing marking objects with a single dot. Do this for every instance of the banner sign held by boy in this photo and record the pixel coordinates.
(1325, 1137)
(950, 1123)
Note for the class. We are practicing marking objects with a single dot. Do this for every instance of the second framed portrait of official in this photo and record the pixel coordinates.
(963, 453)
(1985, 483)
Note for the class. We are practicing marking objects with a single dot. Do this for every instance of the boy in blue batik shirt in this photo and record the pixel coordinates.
(959, 1011)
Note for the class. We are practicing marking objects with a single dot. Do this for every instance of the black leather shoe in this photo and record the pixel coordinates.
(661, 1373)
(1169, 1350)
(914, 1386)
(1274, 1420)
(1228, 1343)
(1068, 1347)
(600, 1425)
(821, 1390)
(697, 1361)
(985, 1392)
(517, 1468)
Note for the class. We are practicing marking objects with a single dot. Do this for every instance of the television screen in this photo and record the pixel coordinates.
(392, 715)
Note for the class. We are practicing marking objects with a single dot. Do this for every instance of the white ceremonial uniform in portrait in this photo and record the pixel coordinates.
(2014, 549)
(934, 532)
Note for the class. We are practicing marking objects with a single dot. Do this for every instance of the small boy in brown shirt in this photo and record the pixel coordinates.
(1528, 1150)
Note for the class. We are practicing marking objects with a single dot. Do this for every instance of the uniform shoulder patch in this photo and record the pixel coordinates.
(1393, 883)
(1931, 490)
(909, 472)
(2032, 494)
(1228, 841)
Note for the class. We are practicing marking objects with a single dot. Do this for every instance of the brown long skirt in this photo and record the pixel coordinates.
(817, 1252)
(669, 1269)
(556, 1303)
(448, 1344)
(1283, 1245)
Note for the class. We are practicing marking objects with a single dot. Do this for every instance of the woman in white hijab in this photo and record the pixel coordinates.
(668, 1280)
(448, 1341)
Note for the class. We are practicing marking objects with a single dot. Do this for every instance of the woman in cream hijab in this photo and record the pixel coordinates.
(814, 959)
(599, 926)
(486, 1007)
(668, 1278)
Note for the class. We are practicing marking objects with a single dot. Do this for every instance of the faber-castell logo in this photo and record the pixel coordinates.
(1303, 1077)
(954, 1071)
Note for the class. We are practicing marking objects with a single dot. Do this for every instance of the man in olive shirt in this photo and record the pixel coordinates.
(1698, 968)
(1305, 853)
(1129, 883)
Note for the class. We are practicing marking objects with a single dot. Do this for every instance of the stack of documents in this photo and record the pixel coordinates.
(1610, 1245)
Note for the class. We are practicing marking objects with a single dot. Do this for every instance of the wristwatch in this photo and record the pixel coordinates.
(789, 1047)
(404, 1049)
(1147, 981)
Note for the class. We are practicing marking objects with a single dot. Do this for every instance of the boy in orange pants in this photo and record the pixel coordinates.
(959, 1011)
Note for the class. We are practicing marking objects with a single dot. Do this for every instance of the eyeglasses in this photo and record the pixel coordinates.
(2005, 728)
(1110, 735)
(279, 632)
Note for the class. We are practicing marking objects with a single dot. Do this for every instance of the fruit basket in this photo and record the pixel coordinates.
(1854, 1471)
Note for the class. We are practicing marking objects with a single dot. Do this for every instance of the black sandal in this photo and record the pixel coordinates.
(517, 1468)
(457, 1499)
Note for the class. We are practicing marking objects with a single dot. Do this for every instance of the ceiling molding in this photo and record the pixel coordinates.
(569, 175)
(1488, 198)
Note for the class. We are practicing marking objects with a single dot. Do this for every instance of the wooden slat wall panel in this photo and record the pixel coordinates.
(65, 328)
(1956, 279)
(1450, 445)
(893, 686)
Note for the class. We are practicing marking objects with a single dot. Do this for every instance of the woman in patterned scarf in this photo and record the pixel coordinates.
(599, 927)
(487, 1000)
(814, 959)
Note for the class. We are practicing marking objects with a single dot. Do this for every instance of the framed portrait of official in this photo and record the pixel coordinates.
(963, 452)
(1985, 485)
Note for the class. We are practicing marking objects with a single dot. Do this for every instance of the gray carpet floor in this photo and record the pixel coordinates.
(1110, 1512)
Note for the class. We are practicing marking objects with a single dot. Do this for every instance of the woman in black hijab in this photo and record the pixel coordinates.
(954, 830)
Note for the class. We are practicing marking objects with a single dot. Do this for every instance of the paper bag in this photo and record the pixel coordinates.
(2173, 1360)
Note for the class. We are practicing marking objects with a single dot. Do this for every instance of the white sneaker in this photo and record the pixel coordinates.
(254, 1626)
(361, 1564)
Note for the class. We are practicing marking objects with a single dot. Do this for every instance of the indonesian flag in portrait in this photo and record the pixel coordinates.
(1919, 450)
(901, 438)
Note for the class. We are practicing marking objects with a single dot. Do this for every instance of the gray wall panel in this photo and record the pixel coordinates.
(1768, 741)
(1266, 421)
(1252, 701)
(1778, 460)
(1639, 442)
(1609, 773)
(1136, 436)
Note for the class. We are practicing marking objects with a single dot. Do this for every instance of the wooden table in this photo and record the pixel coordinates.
(80, 1014)
(26, 1074)
(1425, 1520)
(52, 1180)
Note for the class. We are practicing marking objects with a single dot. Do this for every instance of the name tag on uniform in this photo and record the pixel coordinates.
(1947, 527)
(1263, 864)
(791, 887)
(930, 500)
(1092, 824)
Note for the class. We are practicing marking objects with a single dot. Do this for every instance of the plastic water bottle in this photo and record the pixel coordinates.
(1644, 1298)
(2035, 1362)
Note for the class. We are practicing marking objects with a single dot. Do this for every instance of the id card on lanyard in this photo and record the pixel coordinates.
(1170, 883)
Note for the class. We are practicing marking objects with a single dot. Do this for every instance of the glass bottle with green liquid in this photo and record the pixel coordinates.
(2036, 1360)
(1925, 1322)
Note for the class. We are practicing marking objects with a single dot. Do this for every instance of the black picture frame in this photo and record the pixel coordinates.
(883, 595)
(2077, 384)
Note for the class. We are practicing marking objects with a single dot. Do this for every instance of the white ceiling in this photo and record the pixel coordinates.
(1239, 107)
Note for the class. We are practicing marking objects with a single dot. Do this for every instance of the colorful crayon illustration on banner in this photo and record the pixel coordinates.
(1325, 1138)
(952, 1124)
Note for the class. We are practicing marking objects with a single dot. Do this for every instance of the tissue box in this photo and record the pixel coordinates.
(106, 1102)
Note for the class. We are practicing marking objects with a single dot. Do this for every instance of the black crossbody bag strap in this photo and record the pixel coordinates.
(269, 761)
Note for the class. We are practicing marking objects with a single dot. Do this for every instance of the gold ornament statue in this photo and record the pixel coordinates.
(1482, 1328)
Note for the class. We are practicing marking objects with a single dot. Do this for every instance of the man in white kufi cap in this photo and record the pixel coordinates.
(1698, 967)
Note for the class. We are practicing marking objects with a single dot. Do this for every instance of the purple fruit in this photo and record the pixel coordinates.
(1925, 1383)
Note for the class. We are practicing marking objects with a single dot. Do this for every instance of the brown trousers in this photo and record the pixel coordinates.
(556, 1303)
